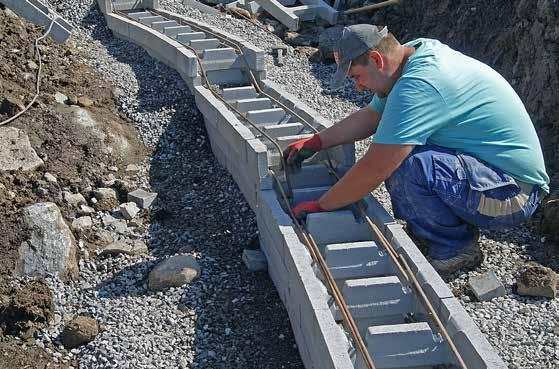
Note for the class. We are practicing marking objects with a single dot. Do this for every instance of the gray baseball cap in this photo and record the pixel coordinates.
(355, 40)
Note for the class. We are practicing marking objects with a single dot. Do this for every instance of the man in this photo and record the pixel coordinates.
(451, 139)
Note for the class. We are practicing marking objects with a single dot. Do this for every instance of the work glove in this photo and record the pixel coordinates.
(306, 207)
(300, 150)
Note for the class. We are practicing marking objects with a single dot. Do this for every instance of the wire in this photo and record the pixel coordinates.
(38, 78)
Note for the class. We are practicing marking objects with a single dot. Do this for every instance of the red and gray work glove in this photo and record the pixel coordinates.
(307, 207)
(300, 150)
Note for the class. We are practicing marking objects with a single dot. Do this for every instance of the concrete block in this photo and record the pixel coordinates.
(305, 12)
(376, 297)
(225, 76)
(356, 260)
(475, 350)
(104, 6)
(310, 193)
(118, 25)
(224, 53)
(138, 15)
(281, 13)
(285, 141)
(25, 9)
(142, 198)
(435, 288)
(253, 56)
(378, 213)
(239, 93)
(272, 211)
(257, 158)
(287, 129)
(324, 10)
(253, 7)
(245, 105)
(208, 43)
(150, 19)
(160, 26)
(486, 286)
(255, 260)
(126, 4)
(337, 227)
(404, 346)
(312, 176)
(185, 38)
(186, 64)
(266, 116)
(172, 32)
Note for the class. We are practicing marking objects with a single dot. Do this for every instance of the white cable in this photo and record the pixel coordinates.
(38, 77)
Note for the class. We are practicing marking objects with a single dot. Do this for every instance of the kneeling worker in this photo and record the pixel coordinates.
(450, 138)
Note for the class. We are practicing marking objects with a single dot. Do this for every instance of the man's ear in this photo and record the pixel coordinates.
(377, 58)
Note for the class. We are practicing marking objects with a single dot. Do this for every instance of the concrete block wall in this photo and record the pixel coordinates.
(38, 13)
(320, 340)
(320, 337)
(377, 300)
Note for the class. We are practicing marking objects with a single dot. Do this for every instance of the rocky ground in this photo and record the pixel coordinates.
(111, 120)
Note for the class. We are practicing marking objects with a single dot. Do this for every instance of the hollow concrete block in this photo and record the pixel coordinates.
(404, 346)
(239, 93)
(185, 38)
(245, 105)
(336, 227)
(377, 297)
(160, 26)
(138, 15)
(287, 129)
(208, 43)
(266, 116)
(173, 31)
(356, 260)
(150, 19)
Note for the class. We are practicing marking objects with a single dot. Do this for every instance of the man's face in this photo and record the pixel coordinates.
(367, 77)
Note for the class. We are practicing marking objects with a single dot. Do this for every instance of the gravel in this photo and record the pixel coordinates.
(230, 317)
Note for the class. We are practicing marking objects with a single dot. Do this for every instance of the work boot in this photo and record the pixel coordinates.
(469, 257)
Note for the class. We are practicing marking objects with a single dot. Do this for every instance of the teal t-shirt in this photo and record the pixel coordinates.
(448, 99)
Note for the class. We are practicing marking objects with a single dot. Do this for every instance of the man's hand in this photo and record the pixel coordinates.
(307, 207)
(300, 150)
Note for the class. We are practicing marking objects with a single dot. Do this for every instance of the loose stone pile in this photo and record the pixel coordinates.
(229, 318)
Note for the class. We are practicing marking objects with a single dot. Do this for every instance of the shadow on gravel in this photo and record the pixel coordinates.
(127, 282)
(238, 317)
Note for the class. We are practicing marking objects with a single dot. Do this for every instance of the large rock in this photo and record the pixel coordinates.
(79, 331)
(51, 247)
(327, 41)
(537, 280)
(106, 199)
(173, 272)
(16, 152)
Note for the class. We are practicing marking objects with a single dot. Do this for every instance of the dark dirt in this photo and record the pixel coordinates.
(76, 155)
(520, 39)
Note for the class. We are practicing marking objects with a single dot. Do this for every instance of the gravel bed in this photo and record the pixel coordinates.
(229, 317)
(225, 313)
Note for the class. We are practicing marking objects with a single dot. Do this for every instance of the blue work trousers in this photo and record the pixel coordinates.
(441, 193)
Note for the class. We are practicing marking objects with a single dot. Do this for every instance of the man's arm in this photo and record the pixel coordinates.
(367, 174)
(356, 126)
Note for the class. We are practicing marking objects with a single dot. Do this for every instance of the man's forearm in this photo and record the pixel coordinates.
(359, 125)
